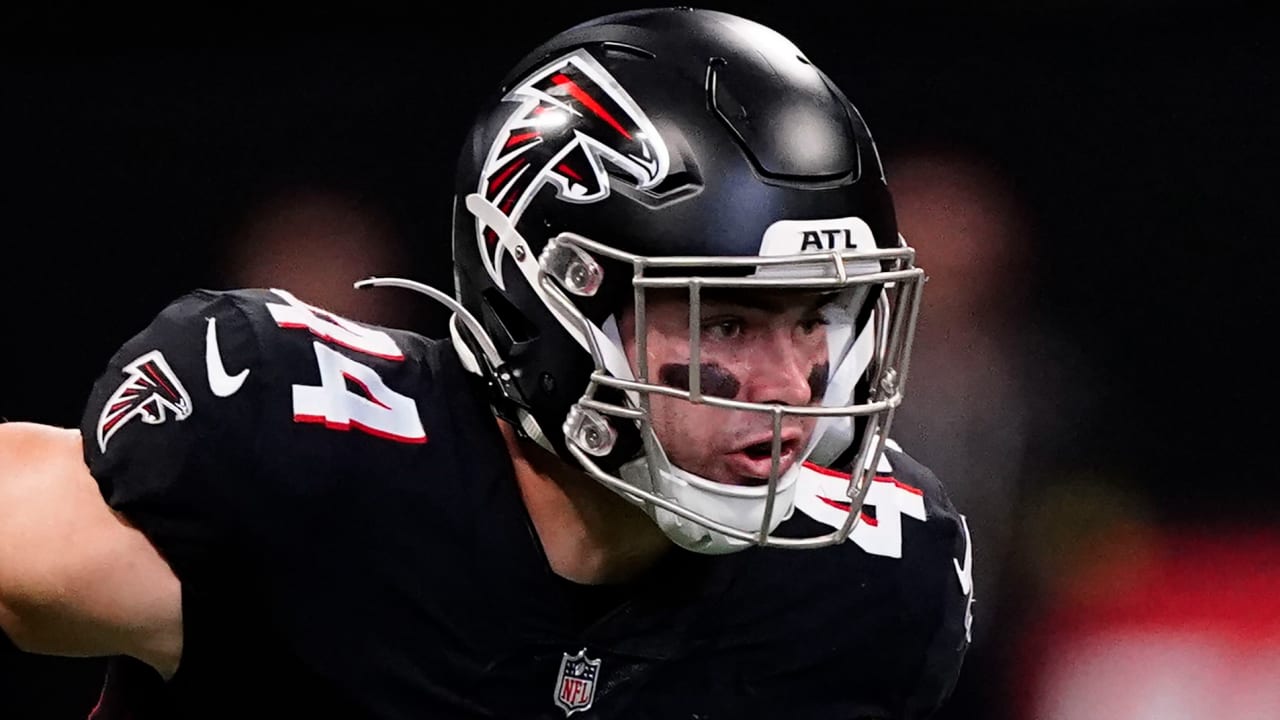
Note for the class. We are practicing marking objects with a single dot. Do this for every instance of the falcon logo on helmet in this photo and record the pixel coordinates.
(573, 115)
(150, 392)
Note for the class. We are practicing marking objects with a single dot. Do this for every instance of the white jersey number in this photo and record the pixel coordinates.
(350, 393)
(821, 496)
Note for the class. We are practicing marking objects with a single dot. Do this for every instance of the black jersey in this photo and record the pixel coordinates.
(338, 503)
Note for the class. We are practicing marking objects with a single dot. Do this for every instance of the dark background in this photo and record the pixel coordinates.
(1138, 139)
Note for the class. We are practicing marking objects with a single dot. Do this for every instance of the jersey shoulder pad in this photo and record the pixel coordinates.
(244, 364)
(905, 500)
(898, 466)
(915, 546)
(170, 419)
(222, 410)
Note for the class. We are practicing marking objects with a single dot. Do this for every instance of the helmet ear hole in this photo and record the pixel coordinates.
(510, 329)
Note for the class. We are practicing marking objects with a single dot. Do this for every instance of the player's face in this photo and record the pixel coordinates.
(759, 347)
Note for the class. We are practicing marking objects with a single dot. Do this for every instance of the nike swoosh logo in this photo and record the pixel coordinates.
(221, 382)
(965, 571)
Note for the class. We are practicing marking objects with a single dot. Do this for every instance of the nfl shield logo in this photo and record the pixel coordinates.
(576, 686)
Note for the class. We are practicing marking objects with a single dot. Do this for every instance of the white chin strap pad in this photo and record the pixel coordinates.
(738, 507)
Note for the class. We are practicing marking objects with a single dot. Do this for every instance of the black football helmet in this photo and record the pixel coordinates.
(689, 149)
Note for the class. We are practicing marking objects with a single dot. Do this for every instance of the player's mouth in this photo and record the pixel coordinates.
(750, 463)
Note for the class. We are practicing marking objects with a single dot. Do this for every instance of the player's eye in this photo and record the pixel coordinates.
(811, 324)
(723, 328)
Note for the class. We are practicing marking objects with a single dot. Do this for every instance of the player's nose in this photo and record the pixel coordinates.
(782, 372)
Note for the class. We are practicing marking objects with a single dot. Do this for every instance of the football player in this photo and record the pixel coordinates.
(648, 475)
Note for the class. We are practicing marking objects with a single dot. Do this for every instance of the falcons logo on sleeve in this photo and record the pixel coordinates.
(151, 391)
(572, 116)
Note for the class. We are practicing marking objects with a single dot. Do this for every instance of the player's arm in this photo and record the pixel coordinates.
(75, 578)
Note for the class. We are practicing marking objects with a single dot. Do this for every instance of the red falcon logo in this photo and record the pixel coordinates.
(572, 116)
(150, 391)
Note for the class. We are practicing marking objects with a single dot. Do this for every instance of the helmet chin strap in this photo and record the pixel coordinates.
(471, 364)
(743, 513)
(739, 507)
(465, 356)
(469, 361)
